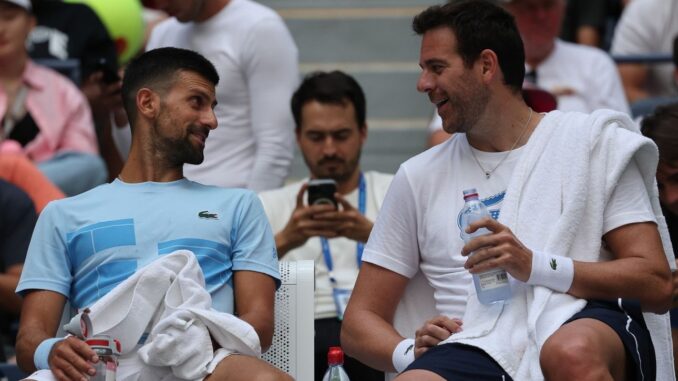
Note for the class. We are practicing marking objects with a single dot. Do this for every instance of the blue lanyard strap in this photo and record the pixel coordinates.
(359, 245)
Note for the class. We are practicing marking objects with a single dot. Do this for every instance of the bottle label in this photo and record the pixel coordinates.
(492, 279)
(111, 368)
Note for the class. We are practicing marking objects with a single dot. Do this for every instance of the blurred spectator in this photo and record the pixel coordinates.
(329, 111)
(647, 27)
(74, 31)
(17, 220)
(257, 60)
(43, 114)
(18, 170)
(582, 78)
(662, 128)
(585, 22)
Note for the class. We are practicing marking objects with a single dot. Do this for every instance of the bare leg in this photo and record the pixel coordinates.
(585, 349)
(247, 368)
(418, 375)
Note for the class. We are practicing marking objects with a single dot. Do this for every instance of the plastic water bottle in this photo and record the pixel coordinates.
(491, 286)
(108, 351)
(335, 363)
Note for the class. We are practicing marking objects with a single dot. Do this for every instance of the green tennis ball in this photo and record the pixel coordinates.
(124, 22)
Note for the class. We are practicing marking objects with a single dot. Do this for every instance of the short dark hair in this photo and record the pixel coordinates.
(479, 25)
(335, 87)
(157, 68)
(662, 127)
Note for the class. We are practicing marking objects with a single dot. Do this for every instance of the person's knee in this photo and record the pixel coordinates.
(569, 357)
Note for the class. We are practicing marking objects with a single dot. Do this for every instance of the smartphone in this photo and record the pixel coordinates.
(321, 192)
(110, 74)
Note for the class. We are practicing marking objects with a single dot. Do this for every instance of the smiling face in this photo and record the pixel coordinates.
(455, 89)
(185, 118)
(330, 139)
(15, 25)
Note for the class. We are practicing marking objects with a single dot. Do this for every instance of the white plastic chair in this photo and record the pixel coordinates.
(292, 348)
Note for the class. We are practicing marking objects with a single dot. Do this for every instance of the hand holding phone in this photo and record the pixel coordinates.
(321, 192)
(110, 75)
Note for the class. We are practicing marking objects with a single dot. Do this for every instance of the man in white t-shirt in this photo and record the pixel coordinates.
(329, 111)
(256, 58)
(582, 78)
(572, 194)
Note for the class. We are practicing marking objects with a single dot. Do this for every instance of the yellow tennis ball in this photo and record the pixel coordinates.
(124, 22)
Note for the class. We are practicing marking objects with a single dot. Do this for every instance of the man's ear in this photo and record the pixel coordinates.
(489, 65)
(148, 103)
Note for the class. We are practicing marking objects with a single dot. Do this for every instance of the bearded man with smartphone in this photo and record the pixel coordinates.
(329, 217)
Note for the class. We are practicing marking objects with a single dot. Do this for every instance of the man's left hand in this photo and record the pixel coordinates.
(349, 222)
(501, 248)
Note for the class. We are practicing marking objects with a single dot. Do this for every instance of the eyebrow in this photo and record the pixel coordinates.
(432, 61)
(205, 95)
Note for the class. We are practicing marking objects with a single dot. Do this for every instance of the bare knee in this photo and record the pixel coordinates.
(567, 357)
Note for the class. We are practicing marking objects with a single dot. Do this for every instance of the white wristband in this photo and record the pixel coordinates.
(552, 271)
(403, 355)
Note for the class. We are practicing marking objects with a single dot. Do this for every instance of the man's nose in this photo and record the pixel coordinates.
(329, 147)
(425, 82)
(210, 120)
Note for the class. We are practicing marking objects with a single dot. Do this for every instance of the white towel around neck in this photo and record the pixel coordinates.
(555, 203)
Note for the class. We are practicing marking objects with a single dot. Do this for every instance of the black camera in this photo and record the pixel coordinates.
(321, 192)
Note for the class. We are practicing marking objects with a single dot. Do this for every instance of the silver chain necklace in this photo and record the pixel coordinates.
(488, 172)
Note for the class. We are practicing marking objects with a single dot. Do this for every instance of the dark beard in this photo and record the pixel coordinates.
(339, 176)
(178, 152)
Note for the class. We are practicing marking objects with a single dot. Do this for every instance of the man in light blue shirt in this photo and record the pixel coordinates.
(84, 246)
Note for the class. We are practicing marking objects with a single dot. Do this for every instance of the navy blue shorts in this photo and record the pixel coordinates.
(627, 321)
(459, 362)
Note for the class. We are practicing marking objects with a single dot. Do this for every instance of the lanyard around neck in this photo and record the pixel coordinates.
(327, 255)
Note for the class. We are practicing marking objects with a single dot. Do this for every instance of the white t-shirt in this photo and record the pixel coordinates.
(581, 77)
(649, 27)
(257, 62)
(418, 226)
(279, 205)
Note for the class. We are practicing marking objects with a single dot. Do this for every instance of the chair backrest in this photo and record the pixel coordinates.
(292, 348)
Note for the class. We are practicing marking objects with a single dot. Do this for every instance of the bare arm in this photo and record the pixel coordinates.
(40, 317)
(367, 331)
(9, 300)
(254, 301)
(633, 78)
(639, 271)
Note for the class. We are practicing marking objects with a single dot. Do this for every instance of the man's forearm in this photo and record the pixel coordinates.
(371, 340)
(27, 342)
(624, 278)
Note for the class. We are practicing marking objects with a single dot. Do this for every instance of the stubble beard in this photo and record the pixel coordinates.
(468, 110)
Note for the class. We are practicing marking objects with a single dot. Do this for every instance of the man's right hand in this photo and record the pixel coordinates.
(71, 360)
(433, 332)
(301, 225)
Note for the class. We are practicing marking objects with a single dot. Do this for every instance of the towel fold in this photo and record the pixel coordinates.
(168, 297)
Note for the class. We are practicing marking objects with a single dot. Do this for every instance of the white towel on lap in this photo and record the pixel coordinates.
(169, 296)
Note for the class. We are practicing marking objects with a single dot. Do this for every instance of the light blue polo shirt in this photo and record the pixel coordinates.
(84, 246)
